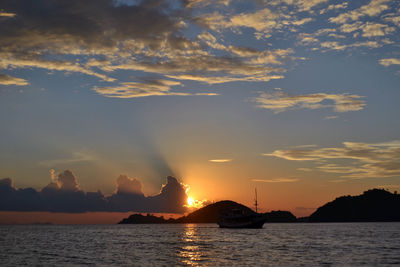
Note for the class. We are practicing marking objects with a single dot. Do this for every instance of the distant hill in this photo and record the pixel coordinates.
(141, 219)
(376, 205)
(279, 216)
(210, 214)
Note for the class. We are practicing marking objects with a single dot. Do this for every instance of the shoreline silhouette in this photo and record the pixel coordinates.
(375, 205)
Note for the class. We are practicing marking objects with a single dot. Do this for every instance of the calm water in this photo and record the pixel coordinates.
(191, 244)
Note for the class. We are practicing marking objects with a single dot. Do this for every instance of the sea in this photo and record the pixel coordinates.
(283, 244)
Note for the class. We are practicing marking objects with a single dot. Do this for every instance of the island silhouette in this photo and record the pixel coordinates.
(210, 214)
(375, 205)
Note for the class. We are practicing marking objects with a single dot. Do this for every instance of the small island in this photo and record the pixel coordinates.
(210, 214)
(375, 205)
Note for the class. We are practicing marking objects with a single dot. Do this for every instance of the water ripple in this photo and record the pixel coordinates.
(201, 245)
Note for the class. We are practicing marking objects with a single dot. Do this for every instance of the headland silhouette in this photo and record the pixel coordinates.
(375, 205)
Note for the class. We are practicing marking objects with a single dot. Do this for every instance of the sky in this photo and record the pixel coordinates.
(297, 98)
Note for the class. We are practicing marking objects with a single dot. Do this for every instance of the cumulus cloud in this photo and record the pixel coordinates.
(280, 101)
(263, 21)
(9, 80)
(126, 185)
(348, 29)
(353, 160)
(334, 7)
(63, 194)
(6, 182)
(67, 181)
(172, 197)
(93, 38)
(301, 5)
(369, 29)
(373, 8)
(376, 29)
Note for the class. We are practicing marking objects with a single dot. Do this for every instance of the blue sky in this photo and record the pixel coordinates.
(291, 96)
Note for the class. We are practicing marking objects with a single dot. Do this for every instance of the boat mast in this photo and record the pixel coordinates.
(255, 201)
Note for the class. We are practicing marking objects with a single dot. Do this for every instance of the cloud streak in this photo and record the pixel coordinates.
(361, 160)
(220, 160)
(276, 180)
(280, 101)
(149, 87)
(9, 80)
(389, 61)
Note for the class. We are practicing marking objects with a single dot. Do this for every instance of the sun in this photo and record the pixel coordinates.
(190, 202)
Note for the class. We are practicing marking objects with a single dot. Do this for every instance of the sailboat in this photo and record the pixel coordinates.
(237, 219)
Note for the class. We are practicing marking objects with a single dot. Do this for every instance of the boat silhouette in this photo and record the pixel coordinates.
(236, 218)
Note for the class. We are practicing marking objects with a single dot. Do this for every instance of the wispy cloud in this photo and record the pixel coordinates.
(338, 181)
(353, 160)
(389, 61)
(276, 180)
(305, 146)
(75, 157)
(7, 14)
(220, 160)
(304, 169)
(139, 89)
(331, 117)
(143, 88)
(280, 101)
(9, 80)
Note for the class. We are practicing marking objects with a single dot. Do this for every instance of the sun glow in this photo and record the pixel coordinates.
(190, 202)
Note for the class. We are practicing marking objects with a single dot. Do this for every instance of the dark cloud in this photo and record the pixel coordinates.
(126, 185)
(100, 37)
(42, 32)
(62, 194)
(172, 196)
(67, 181)
(89, 24)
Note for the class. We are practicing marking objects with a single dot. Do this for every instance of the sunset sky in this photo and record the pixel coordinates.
(298, 98)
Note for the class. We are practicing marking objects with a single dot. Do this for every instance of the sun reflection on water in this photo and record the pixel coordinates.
(190, 252)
